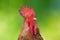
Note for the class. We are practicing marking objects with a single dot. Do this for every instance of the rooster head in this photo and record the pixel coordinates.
(27, 12)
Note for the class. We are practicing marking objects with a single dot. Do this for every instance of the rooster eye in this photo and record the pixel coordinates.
(34, 18)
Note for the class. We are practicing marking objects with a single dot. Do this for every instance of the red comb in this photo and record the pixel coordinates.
(27, 12)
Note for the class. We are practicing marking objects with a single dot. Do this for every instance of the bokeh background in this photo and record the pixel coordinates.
(48, 18)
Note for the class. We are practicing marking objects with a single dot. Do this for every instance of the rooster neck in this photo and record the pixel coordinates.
(31, 24)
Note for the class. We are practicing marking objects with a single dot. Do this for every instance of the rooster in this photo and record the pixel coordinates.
(29, 30)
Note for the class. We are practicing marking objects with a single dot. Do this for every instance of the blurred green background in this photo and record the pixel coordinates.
(48, 18)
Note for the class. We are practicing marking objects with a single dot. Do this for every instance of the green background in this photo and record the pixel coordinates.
(47, 13)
